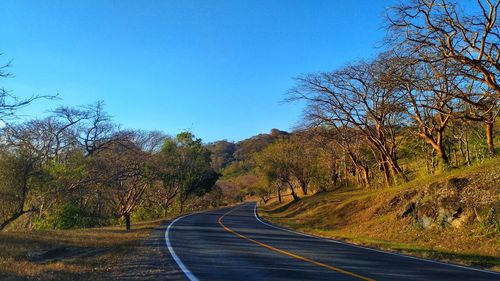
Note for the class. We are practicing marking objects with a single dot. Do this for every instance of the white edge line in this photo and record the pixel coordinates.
(367, 248)
(176, 258)
(181, 265)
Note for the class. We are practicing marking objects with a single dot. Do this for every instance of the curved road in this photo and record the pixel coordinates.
(234, 244)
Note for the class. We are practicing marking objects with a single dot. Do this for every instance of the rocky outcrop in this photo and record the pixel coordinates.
(452, 203)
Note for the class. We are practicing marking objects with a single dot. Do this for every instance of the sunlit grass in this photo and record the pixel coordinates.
(92, 252)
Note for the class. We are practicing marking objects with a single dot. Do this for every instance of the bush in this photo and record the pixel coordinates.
(490, 224)
(147, 212)
(70, 216)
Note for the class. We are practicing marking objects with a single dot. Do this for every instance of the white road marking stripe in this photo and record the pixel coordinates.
(366, 248)
(181, 265)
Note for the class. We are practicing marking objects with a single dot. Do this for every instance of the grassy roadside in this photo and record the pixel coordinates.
(82, 254)
(365, 217)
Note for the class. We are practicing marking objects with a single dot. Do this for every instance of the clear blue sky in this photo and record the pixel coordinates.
(217, 68)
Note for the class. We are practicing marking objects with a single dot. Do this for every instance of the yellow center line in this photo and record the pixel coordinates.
(287, 253)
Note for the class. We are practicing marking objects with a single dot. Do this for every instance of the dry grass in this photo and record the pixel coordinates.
(83, 254)
(362, 217)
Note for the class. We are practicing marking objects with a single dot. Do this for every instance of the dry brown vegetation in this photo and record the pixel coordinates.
(375, 217)
(98, 253)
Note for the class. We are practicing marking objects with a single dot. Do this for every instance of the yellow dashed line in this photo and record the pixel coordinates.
(288, 253)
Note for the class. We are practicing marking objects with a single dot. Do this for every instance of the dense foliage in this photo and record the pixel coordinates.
(75, 168)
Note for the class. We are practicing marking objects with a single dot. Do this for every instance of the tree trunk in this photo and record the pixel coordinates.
(294, 195)
(127, 221)
(303, 186)
(384, 168)
(433, 161)
(181, 204)
(166, 208)
(387, 175)
(335, 178)
(437, 144)
(365, 176)
(445, 162)
(14, 217)
(468, 153)
(455, 153)
(489, 137)
(397, 172)
(279, 195)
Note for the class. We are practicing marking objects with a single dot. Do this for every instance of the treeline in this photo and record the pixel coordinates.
(76, 168)
(442, 69)
(427, 104)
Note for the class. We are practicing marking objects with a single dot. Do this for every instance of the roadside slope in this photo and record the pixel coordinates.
(452, 217)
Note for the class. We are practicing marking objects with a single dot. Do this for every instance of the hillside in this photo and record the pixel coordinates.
(452, 217)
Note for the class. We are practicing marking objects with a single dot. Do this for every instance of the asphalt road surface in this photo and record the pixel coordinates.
(234, 244)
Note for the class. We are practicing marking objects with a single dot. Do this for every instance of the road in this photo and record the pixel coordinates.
(234, 244)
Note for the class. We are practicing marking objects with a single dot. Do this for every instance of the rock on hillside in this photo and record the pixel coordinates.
(453, 202)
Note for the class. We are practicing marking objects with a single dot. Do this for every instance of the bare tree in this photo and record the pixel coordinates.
(10, 103)
(16, 171)
(121, 170)
(345, 144)
(439, 30)
(358, 97)
(429, 94)
(96, 131)
(68, 122)
(303, 160)
(24, 149)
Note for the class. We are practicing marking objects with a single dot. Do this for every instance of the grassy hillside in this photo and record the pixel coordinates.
(452, 217)
(86, 254)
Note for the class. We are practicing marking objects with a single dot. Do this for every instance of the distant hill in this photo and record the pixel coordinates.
(224, 152)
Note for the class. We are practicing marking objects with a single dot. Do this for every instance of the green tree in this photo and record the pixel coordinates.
(276, 164)
(189, 171)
